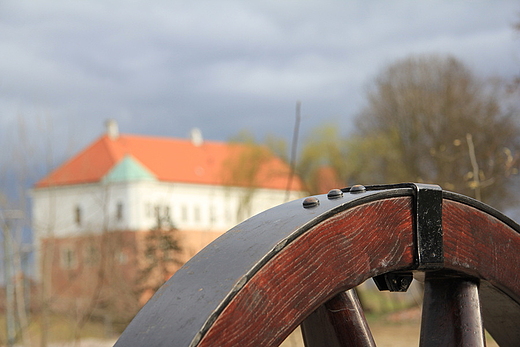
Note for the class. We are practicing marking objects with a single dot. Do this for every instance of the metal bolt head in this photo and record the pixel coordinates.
(335, 194)
(311, 201)
(358, 188)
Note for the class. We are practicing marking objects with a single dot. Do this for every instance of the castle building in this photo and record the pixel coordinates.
(119, 217)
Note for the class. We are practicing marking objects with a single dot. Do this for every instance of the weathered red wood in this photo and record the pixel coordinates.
(501, 315)
(335, 255)
(480, 245)
(451, 313)
(339, 322)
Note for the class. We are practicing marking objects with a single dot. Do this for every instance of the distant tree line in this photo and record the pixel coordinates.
(426, 119)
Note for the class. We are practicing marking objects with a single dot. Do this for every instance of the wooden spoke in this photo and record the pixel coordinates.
(340, 322)
(451, 313)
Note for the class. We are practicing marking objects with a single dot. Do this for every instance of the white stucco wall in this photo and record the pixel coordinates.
(191, 207)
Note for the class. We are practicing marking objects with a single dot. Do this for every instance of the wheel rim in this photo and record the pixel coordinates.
(339, 246)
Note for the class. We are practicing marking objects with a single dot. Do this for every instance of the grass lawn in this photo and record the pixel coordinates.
(400, 328)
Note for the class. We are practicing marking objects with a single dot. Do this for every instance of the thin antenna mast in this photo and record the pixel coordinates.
(294, 147)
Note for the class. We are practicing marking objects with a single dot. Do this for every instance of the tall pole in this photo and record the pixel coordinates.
(9, 287)
(294, 148)
(474, 164)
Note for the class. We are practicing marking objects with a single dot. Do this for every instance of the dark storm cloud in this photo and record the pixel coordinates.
(163, 67)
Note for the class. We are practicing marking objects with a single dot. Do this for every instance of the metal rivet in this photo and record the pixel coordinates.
(311, 201)
(358, 188)
(335, 194)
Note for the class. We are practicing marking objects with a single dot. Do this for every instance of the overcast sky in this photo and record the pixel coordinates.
(164, 67)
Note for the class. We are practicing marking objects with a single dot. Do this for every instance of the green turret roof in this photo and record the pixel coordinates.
(129, 169)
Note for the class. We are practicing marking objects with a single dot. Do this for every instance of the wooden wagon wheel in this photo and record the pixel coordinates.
(292, 264)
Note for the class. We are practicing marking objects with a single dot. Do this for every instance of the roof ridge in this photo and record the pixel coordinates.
(110, 146)
(170, 160)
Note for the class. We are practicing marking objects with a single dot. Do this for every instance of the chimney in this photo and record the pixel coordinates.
(112, 129)
(196, 137)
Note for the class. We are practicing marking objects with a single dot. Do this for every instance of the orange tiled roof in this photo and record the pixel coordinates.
(174, 160)
(328, 179)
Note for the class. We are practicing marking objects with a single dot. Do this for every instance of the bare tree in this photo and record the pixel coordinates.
(322, 164)
(430, 119)
(161, 253)
(19, 167)
(243, 168)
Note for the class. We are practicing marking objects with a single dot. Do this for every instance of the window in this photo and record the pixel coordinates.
(77, 215)
(68, 258)
(196, 214)
(92, 255)
(119, 211)
(121, 258)
(229, 217)
(212, 216)
(167, 219)
(184, 213)
(148, 210)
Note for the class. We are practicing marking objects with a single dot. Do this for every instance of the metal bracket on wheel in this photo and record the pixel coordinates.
(428, 227)
(428, 236)
(394, 281)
